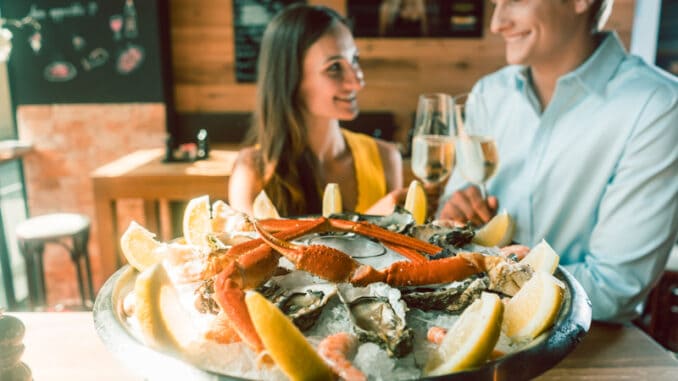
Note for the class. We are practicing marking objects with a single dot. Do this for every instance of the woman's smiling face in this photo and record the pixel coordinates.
(331, 76)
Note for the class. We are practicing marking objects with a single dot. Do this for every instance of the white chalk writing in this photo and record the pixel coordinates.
(58, 14)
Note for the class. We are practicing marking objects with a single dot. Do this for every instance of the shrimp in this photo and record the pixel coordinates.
(336, 350)
(436, 334)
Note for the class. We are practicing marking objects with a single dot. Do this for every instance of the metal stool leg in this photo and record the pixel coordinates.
(80, 251)
(89, 277)
(27, 253)
(38, 252)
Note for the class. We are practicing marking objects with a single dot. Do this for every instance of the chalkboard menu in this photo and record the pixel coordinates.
(96, 51)
(250, 18)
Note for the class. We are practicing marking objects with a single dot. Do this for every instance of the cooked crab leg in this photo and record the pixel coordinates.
(220, 261)
(383, 235)
(406, 252)
(251, 264)
(336, 266)
(406, 245)
(443, 270)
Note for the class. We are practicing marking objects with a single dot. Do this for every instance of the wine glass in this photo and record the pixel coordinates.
(476, 148)
(433, 139)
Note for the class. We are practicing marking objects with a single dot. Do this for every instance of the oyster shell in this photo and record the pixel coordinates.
(299, 296)
(452, 297)
(400, 221)
(508, 277)
(378, 315)
(444, 236)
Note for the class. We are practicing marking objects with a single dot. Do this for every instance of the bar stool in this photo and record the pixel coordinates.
(34, 233)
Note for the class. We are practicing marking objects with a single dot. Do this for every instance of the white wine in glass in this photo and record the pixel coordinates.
(432, 157)
(433, 143)
(478, 158)
(476, 148)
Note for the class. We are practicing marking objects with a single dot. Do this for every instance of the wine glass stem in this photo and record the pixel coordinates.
(483, 191)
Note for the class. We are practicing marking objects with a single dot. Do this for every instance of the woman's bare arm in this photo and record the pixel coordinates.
(245, 181)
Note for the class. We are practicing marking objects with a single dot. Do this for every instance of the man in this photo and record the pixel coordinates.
(588, 149)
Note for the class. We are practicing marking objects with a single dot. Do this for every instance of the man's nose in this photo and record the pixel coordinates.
(500, 20)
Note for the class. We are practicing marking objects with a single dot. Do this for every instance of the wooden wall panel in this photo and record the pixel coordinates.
(396, 70)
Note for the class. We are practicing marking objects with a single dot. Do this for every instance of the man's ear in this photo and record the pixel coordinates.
(581, 6)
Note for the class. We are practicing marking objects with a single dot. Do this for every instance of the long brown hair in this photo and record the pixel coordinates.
(288, 167)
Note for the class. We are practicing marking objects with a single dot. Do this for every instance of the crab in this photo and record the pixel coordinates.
(250, 264)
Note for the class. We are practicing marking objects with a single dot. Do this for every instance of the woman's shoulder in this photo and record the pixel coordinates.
(248, 162)
(390, 155)
(249, 156)
(388, 148)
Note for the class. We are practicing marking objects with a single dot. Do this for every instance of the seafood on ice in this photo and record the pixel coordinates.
(427, 270)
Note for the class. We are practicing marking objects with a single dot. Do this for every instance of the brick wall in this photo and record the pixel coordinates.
(70, 141)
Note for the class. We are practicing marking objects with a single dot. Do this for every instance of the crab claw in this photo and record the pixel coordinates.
(323, 261)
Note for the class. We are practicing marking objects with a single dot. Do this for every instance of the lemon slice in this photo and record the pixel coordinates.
(139, 247)
(534, 308)
(415, 202)
(471, 339)
(542, 258)
(332, 202)
(497, 232)
(197, 224)
(263, 207)
(164, 324)
(284, 342)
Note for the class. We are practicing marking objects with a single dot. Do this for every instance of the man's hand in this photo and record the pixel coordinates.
(467, 205)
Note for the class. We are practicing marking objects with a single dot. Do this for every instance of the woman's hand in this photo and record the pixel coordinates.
(387, 204)
(468, 205)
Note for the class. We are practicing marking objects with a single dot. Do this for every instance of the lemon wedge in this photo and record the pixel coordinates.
(196, 223)
(542, 258)
(164, 324)
(263, 208)
(284, 342)
(471, 339)
(139, 247)
(332, 202)
(534, 308)
(497, 232)
(415, 202)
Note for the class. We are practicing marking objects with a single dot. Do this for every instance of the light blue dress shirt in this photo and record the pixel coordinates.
(595, 173)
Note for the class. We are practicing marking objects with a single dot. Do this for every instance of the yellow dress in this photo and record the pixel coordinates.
(369, 169)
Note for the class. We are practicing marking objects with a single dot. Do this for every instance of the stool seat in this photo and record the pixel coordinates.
(50, 226)
(59, 228)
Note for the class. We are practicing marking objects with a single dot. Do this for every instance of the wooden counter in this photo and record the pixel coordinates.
(65, 346)
(144, 175)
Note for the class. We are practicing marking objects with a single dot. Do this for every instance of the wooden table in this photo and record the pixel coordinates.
(65, 346)
(613, 352)
(144, 175)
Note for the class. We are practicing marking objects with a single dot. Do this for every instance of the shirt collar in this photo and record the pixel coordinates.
(595, 72)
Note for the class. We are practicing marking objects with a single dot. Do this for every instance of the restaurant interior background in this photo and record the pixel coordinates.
(193, 66)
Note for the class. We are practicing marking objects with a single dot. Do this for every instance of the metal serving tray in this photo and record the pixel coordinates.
(540, 355)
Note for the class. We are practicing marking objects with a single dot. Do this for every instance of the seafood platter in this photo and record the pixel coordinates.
(372, 297)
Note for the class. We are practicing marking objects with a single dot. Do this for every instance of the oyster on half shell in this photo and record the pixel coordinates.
(444, 236)
(299, 296)
(378, 315)
(451, 297)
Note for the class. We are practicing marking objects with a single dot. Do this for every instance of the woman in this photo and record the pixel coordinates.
(308, 80)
